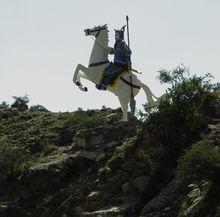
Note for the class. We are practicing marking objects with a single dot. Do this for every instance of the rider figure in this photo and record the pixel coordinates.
(122, 59)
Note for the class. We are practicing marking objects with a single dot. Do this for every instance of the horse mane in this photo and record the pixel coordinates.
(107, 32)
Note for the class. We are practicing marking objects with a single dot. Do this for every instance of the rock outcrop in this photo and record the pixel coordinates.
(90, 164)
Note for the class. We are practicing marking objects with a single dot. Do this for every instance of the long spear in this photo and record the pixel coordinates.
(132, 102)
(127, 19)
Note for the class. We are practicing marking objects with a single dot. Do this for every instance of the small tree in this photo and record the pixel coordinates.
(4, 105)
(180, 115)
(20, 102)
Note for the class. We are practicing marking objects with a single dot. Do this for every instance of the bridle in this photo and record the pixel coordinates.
(99, 30)
(94, 30)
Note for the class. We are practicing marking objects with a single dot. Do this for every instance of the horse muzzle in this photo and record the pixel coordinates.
(86, 32)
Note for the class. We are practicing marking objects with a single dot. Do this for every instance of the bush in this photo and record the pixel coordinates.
(200, 162)
(20, 102)
(11, 159)
(186, 95)
(38, 108)
(4, 105)
(217, 86)
(144, 158)
(180, 115)
(88, 119)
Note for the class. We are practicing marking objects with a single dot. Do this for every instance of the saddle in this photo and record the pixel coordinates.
(112, 72)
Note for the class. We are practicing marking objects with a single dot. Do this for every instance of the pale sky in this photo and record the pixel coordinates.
(42, 41)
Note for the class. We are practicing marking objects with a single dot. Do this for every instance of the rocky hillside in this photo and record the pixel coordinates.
(90, 164)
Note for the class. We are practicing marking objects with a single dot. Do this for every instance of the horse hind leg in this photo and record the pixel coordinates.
(124, 107)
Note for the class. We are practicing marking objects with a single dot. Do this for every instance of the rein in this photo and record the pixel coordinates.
(98, 64)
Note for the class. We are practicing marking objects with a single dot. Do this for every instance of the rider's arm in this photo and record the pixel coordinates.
(127, 50)
(111, 50)
(127, 53)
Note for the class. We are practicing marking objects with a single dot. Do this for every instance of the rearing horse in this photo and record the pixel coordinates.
(126, 86)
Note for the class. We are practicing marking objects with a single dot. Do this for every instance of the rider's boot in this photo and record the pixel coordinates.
(101, 86)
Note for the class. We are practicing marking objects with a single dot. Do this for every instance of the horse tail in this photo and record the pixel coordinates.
(149, 95)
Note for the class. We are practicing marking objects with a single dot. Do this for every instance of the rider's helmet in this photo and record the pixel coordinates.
(119, 34)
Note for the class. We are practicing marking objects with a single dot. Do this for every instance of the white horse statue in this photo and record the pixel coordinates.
(126, 86)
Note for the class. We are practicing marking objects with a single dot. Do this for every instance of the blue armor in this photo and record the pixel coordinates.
(122, 53)
(122, 61)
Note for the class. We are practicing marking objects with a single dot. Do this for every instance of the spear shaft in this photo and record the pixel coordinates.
(132, 102)
(127, 19)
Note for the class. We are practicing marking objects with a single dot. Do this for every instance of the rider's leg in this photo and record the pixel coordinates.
(108, 76)
(103, 84)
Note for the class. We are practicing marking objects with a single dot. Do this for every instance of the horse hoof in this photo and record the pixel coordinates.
(85, 89)
(77, 83)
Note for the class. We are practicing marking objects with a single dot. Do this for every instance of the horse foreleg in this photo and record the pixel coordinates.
(79, 76)
(76, 77)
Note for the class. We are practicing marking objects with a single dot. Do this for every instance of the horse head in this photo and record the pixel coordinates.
(95, 30)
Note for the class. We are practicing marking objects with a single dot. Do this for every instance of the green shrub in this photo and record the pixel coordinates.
(200, 162)
(186, 95)
(88, 119)
(121, 153)
(4, 105)
(20, 102)
(38, 107)
(35, 144)
(180, 115)
(144, 158)
(11, 158)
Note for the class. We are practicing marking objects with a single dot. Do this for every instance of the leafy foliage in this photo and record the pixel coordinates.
(200, 162)
(180, 115)
(11, 158)
(4, 105)
(38, 108)
(201, 165)
(89, 118)
(121, 153)
(217, 86)
(20, 102)
(143, 157)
